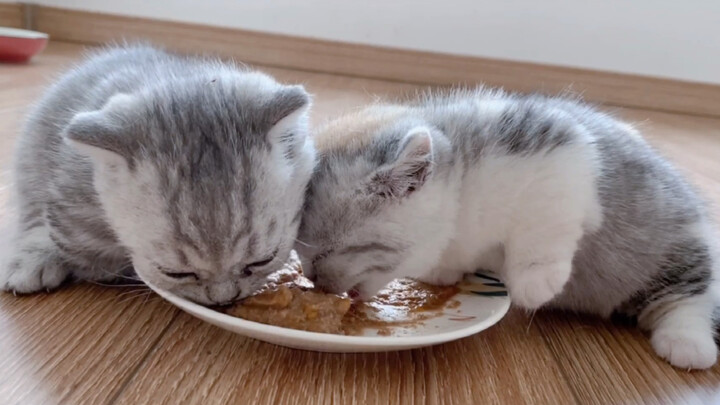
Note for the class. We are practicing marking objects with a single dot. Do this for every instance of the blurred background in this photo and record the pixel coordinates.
(663, 38)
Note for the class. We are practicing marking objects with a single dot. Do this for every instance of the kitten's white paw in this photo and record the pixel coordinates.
(685, 348)
(30, 273)
(537, 284)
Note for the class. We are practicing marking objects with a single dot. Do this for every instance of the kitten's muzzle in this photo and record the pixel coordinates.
(222, 293)
(230, 301)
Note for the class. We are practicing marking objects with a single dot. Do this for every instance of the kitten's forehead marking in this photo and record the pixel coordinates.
(356, 131)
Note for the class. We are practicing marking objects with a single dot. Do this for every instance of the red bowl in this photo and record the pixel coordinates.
(18, 45)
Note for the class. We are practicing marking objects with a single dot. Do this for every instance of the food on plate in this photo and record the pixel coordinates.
(403, 303)
(291, 306)
(290, 301)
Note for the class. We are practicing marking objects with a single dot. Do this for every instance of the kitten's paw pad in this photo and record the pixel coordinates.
(22, 278)
(684, 348)
(533, 287)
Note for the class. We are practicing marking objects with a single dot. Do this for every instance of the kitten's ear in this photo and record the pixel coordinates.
(98, 134)
(409, 170)
(287, 114)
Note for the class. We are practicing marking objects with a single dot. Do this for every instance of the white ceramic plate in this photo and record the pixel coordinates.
(483, 302)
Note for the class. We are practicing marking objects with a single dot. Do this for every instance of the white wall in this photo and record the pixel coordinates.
(666, 38)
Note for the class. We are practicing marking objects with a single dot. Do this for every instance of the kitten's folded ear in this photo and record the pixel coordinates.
(409, 170)
(98, 134)
(287, 114)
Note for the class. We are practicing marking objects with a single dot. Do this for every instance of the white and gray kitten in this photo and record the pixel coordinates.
(572, 207)
(189, 171)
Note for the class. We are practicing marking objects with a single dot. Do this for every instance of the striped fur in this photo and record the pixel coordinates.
(570, 205)
(187, 170)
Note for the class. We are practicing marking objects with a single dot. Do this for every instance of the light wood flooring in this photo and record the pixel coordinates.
(101, 345)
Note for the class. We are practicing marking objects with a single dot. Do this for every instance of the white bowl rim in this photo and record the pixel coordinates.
(380, 341)
(21, 33)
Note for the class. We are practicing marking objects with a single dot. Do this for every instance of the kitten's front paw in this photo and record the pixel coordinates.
(29, 274)
(534, 285)
(685, 349)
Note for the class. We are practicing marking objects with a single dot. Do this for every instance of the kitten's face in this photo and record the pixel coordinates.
(366, 221)
(203, 186)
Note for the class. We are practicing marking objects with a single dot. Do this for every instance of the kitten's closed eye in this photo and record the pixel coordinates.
(181, 275)
(248, 270)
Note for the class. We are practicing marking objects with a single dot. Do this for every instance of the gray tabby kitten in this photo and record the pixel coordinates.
(189, 171)
(572, 207)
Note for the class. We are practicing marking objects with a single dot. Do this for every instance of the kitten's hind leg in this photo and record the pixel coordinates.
(678, 307)
(682, 331)
(34, 263)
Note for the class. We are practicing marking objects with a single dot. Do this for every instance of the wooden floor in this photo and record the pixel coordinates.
(98, 345)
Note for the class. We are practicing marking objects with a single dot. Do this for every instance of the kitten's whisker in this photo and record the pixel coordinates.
(532, 316)
(147, 297)
(303, 243)
(130, 278)
(120, 275)
(134, 291)
(132, 297)
(113, 298)
(128, 299)
(129, 295)
(114, 285)
(153, 299)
